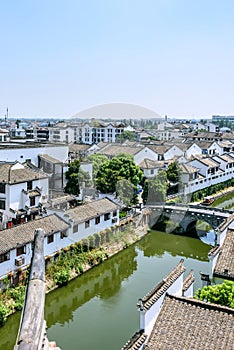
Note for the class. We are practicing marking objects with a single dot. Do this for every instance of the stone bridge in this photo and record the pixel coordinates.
(186, 216)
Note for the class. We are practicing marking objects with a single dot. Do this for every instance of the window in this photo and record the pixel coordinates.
(114, 213)
(63, 234)
(75, 228)
(2, 188)
(21, 250)
(50, 239)
(32, 201)
(29, 185)
(4, 257)
(107, 216)
(152, 171)
(97, 220)
(2, 204)
(87, 224)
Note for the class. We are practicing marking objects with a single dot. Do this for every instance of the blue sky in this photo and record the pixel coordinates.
(59, 57)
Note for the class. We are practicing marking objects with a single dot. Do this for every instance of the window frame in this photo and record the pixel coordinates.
(21, 250)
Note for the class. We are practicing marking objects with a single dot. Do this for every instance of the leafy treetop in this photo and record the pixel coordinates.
(116, 169)
(222, 294)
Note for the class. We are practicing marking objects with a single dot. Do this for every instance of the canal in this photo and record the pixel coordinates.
(98, 310)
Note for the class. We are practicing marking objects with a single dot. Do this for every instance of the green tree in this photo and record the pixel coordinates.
(72, 176)
(222, 294)
(155, 189)
(116, 169)
(97, 160)
(126, 135)
(173, 172)
(126, 191)
(84, 177)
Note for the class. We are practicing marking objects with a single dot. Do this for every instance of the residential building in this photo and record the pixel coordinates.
(22, 193)
(62, 228)
(171, 319)
(4, 135)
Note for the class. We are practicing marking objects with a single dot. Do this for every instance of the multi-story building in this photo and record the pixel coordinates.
(88, 133)
(22, 192)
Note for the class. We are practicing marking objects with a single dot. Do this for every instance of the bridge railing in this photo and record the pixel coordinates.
(192, 206)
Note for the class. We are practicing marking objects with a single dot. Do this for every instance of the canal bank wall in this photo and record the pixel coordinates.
(130, 230)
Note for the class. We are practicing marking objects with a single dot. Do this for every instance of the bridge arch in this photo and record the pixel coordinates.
(183, 218)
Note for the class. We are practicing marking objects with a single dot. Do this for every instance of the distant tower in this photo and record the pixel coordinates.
(165, 118)
(6, 116)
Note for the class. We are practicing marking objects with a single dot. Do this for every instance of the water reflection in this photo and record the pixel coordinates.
(173, 244)
(97, 310)
(102, 281)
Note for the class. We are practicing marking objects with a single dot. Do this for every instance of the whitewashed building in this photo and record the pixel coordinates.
(22, 191)
(62, 228)
(4, 135)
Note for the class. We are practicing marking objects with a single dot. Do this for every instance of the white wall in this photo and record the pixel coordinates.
(145, 153)
(148, 318)
(21, 154)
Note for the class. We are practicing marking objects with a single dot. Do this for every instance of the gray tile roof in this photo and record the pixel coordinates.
(91, 210)
(149, 299)
(151, 164)
(185, 324)
(10, 175)
(188, 281)
(24, 233)
(50, 159)
(112, 150)
(224, 267)
(136, 341)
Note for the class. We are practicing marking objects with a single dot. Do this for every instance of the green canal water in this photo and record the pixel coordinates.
(98, 310)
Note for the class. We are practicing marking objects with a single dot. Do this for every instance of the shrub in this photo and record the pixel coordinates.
(3, 313)
(62, 277)
(222, 294)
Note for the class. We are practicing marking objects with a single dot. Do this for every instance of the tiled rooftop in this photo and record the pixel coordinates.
(225, 264)
(49, 159)
(24, 233)
(16, 173)
(136, 341)
(149, 299)
(185, 324)
(151, 164)
(113, 150)
(91, 210)
(188, 281)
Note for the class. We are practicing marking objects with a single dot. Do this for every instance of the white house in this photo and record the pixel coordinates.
(62, 132)
(208, 166)
(4, 135)
(62, 228)
(16, 244)
(151, 167)
(22, 191)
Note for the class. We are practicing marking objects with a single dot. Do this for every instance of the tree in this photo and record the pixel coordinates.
(222, 294)
(126, 135)
(72, 186)
(97, 160)
(155, 189)
(84, 177)
(116, 169)
(126, 192)
(173, 172)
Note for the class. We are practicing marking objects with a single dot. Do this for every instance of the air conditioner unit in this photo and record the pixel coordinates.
(19, 261)
(114, 220)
